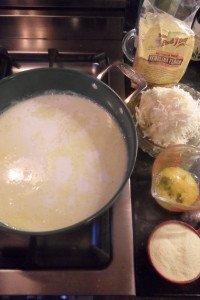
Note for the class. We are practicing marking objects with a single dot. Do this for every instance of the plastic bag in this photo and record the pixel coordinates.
(165, 43)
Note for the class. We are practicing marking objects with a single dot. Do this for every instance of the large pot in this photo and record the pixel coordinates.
(29, 83)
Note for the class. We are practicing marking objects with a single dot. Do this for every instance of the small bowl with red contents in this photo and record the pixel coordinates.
(174, 251)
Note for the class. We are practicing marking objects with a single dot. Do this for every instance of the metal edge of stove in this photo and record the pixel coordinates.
(116, 279)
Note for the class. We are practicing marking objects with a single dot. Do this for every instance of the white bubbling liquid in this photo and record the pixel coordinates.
(62, 158)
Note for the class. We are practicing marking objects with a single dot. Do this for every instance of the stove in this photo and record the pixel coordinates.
(96, 258)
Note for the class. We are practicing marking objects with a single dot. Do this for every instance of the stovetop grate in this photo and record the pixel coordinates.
(86, 247)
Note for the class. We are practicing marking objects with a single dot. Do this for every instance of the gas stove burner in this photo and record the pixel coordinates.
(87, 247)
(93, 260)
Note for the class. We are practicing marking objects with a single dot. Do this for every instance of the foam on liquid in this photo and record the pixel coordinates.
(62, 158)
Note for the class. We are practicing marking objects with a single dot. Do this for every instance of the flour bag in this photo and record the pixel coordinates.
(165, 42)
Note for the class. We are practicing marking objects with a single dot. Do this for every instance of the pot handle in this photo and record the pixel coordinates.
(131, 74)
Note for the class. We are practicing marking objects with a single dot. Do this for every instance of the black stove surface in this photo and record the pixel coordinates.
(92, 259)
(147, 214)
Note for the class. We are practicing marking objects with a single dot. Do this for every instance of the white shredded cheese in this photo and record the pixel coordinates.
(168, 116)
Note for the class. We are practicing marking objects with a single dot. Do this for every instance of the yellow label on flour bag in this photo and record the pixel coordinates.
(164, 49)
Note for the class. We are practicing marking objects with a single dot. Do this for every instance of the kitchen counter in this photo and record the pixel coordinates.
(147, 214)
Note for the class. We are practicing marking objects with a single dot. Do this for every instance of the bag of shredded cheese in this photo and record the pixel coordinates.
(165, 45)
